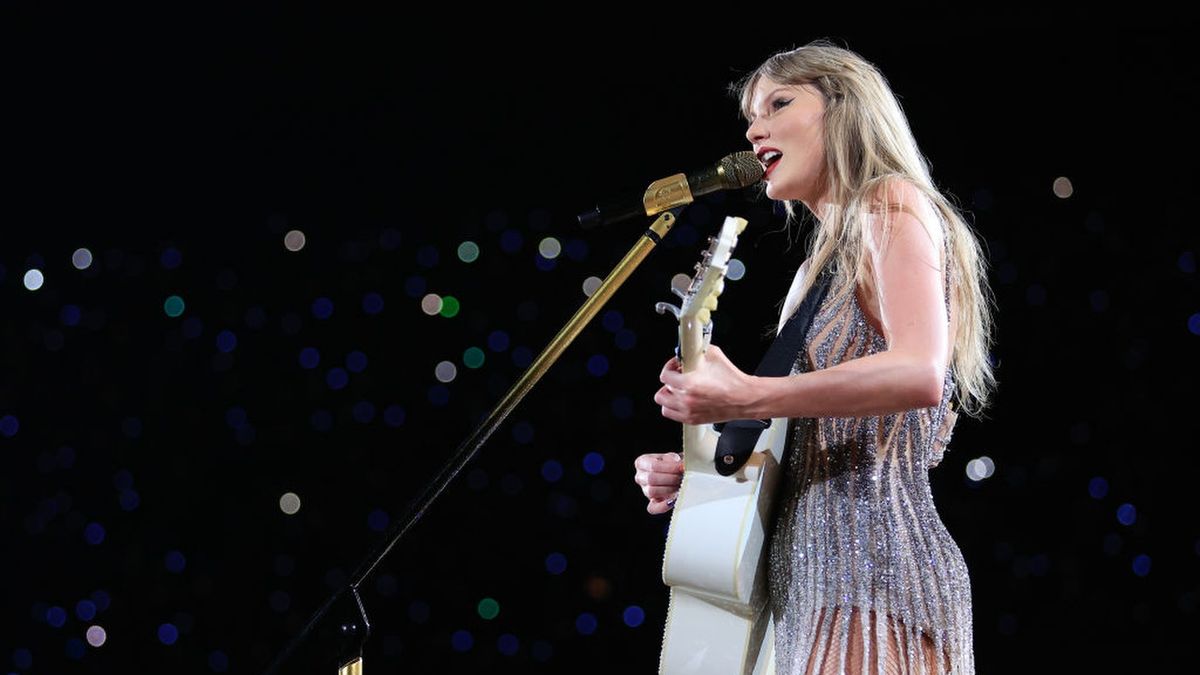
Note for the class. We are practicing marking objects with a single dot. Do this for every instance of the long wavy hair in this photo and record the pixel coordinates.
(868, 144)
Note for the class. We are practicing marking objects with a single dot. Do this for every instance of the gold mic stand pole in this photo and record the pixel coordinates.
(354, 627)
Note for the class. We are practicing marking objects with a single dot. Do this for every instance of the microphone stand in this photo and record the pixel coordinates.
(353, 626)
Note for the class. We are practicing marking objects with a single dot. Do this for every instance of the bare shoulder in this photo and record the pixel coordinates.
(899, 210)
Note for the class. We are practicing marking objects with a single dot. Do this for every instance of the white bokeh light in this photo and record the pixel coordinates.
(446, 371)
(96, 636)
(591, 284)
(294, 240)
(34, 279)
(289, 503)
(81, 258)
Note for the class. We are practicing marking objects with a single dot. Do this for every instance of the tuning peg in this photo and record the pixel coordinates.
(703, 315)
(711, 302)
(719, 287)
(664, 307)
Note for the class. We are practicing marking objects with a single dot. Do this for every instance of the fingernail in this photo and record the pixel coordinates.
(676, 456)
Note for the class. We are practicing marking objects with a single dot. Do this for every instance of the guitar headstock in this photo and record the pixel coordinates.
(700, 295)
(709, 279)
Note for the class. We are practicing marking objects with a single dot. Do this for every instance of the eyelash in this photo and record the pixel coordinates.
(779, 103)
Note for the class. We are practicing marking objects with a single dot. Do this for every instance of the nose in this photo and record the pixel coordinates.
(757, 131)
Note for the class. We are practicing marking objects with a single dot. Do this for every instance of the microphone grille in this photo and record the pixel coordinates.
(740, 169)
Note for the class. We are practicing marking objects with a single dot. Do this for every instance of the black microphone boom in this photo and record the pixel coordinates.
(737, 170)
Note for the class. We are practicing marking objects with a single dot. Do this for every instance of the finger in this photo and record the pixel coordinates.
(660, 491)
(661, 479)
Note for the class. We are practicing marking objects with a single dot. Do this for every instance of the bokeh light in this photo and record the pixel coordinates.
(168, 634)
(173, 306)
(1062, 187)
(81, 259)
(556, 563)
(450, 306)
(445, 371)
(96, 636)
(736, 269)
(591, 285)
(289, 503)
(586, 623)
(633, 616)
(473, 357)
(508, 644)
(34, 279)
(294, 240)
(468, 251)
(488, 608)
(431, 304)
(1126, 514)
(549, 248)
(593, 463)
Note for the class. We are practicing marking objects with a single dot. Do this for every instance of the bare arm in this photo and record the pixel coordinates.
(904, 253)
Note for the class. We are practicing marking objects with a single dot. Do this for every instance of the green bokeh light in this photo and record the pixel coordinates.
(473, 357)
(449, 306)
(488, 608)
(173, 306)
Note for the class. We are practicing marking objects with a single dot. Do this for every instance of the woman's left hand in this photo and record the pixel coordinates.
(714, 391)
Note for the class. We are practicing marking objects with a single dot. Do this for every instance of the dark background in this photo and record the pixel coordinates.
(141, 466)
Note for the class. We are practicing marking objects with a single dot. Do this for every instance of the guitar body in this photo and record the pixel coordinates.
(715, 560)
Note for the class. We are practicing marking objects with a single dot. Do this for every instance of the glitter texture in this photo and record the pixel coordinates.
(863, 575)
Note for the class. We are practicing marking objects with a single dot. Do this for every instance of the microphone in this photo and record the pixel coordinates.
(737, 170)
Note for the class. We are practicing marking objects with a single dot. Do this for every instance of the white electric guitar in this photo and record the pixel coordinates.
(718, 618)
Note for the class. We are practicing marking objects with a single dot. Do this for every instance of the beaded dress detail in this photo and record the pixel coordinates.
(863, 575)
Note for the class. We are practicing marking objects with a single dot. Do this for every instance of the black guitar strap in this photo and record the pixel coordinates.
(738, 437)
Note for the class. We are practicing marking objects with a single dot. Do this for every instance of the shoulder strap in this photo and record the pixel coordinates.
(738, 437)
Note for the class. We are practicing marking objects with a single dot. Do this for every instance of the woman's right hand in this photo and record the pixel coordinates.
(659, 474)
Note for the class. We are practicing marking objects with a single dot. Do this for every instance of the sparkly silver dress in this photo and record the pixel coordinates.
(863, 576)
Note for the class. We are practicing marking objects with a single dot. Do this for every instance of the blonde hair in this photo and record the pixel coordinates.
(869, 146)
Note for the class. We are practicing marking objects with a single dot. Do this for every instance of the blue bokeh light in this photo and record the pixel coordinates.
(372, 303)
(94, 534)
(593, 463)
(129, 500)
(70, 315)
(175, 562)
(356, 361)
(75, 648)
(170, 258)
(1141, 565)
(168, 634)
(625, 339)
(544, 264)
(508, 644)
(497, 341)
(523, 432)
(1126, 514)
(428, 256)
(542, 651)
(364, 412)
(309, 358)
(56, 616)
(415, 287)
(622, 407)
(552, 470)
(102, 599)
(9, 425)
(597, 365)
(556, 563)
(378, 520)
(1194, 323)
(337, 378)
(1098, 487)
(461, 641)
(522, 357)
(322, 308)
(439, 395)
(418, 611)
(226, 341)
(576, 249)
(235, 417)
(613, 321)
(85, 610)
(1187, 262)
(322, 420)
(510, 241)
(123, 479)
(633, 616)
(218, 662)
(586, 623)
(393, 415)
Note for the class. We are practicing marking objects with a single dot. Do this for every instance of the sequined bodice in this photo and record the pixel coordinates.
(857, 531)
